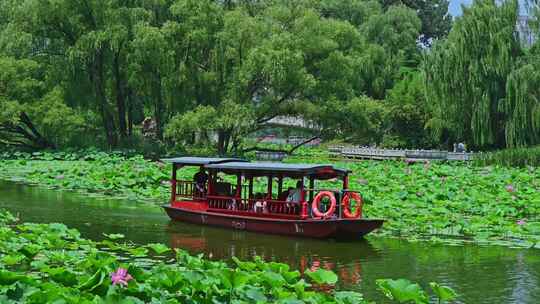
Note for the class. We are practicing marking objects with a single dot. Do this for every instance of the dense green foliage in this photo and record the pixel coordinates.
(483, 204)
(213, 73)
(50, 263)
(79, 73)
(483, 82)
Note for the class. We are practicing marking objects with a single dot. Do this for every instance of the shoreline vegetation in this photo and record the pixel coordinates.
(438, 202)
(51, 263)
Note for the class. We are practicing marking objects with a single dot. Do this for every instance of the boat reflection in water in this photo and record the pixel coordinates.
(300, 253)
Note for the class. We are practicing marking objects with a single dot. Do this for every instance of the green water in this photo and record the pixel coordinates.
(478, 274)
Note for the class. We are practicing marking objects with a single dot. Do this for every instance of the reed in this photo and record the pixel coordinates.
(516, 157)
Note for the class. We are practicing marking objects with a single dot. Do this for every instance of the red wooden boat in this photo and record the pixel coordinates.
(231, 202)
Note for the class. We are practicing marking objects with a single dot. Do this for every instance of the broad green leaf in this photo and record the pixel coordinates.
(322, 276)
(348, 297)
(402, 291)
(443, 292)
(114, 236)
(158, 248)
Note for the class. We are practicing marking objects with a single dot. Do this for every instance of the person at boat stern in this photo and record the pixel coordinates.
(200, 179)
(294, 197)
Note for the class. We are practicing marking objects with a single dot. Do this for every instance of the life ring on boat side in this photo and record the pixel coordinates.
(346, 202)
(317, 201)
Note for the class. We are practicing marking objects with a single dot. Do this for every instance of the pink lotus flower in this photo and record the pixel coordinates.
(120, 276)
(510, 188)
(521, 222)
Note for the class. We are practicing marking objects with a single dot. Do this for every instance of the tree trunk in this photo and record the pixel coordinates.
(38, 140)
(158, 107)
(120, 97)
(23, 134)
(224, 137)
(221, 142)
(227, 141)
(130, 111)
(108, 120)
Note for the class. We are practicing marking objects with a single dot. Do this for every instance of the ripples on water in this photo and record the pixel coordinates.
(478, 274)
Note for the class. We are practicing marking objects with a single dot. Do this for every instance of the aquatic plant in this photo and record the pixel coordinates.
(448, 201)
(51, 263)
(405, 291)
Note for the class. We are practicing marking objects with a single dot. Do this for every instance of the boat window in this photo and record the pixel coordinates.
(223, 189)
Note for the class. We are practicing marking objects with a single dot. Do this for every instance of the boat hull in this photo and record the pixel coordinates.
(348, 229)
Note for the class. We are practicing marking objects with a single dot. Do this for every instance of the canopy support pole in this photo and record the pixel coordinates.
(250, 187)
(210, 182)
(173, 184)
(269, 194)
(311, 188)
(345, 189)
(304, 211)
(238, 186)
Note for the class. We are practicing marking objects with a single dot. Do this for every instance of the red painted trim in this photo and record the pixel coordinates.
(304, 212)
(191, 205)
(253, 214)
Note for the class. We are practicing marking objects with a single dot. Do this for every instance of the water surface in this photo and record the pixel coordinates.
(478, 274)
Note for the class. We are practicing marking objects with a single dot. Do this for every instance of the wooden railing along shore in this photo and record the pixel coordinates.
(397, 154)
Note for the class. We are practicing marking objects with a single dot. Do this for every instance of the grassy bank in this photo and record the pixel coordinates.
(434, 200)
(50, 263)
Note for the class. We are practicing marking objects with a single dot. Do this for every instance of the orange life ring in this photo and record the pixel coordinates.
(317, 201)
(346, 202)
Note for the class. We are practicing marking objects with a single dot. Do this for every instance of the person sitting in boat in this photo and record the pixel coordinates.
(260, 204)
(283, 195)
(295, 194)
(200, 179)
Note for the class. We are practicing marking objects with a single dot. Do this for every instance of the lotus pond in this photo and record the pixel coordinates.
(439, 202)
(136, 236)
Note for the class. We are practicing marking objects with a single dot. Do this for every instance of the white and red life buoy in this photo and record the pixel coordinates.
(346, 203)
(317, 200)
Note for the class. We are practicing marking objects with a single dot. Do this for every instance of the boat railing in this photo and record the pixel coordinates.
(338, 194)
(253, 206)
(187, 189)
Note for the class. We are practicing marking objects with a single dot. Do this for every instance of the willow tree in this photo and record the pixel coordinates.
(467, 74)
(522, 105)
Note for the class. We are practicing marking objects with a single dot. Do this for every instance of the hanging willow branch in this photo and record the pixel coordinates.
(466, 75)
(522, 107)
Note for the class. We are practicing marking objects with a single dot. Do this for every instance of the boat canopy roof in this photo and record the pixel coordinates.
(200, 161)
(318, 171)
